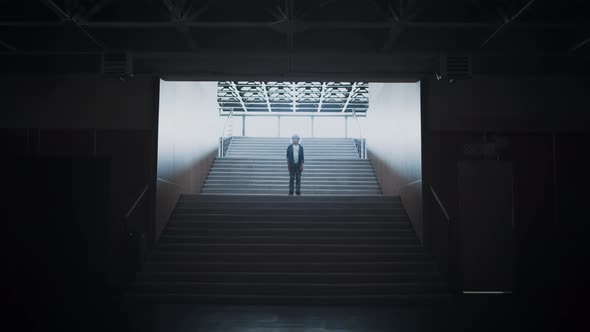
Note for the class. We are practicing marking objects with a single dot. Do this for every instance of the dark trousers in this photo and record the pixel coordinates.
(295, 176)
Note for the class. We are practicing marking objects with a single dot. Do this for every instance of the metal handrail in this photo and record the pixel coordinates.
(357, 123)
(440, 204)
(221, 147)
(361, 139)
(170, 182)
(136, 202)
(229, 118)
(411, 183)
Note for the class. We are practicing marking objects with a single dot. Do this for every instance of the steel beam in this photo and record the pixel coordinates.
(271, 25)
(65, 17)
(178, 16)
(98, 6)
(201, 10)
(8, 46)
(266, 96)
(579, 45)
(507, 21)
(349, 97)
(399, 24)
(237, 92)
(322, 96)
(293, 96)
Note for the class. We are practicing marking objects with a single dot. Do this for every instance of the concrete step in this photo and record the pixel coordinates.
(261, 248)
(252, 159)
(309, 182)
(325, 176)
(238, 191)
(284, 186)
(283, 171)
(430, 299)
(300, 199)
(286, 143)
(252, 222)
(274, 238)
(292, 211)
(283, 147)
(283, 165)
(260, 288)
(290, 277)
(281, 215)
(292, 204)
(314, 266)
(188, 233)
(280, 156)
(282, 258)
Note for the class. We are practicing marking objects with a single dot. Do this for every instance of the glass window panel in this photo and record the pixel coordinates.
(296, 124)
(261, 126)
(328, 127)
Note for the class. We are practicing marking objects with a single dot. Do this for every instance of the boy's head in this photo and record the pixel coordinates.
(295, 139)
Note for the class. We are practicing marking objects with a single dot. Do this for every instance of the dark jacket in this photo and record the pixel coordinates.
(291, 158)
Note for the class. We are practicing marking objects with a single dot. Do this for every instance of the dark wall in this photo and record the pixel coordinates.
(54, 245)
(73, 117)
(539, 124)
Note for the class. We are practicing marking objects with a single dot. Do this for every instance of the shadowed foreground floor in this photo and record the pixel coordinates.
(470, 314)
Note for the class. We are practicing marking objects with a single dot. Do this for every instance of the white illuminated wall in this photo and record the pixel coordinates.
(392, 130)
(189, 127)
(323, 126)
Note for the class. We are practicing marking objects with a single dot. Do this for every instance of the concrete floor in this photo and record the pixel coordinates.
(468, 314)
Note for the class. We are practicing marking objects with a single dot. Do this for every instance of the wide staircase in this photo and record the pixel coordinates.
(230, 249)
(258, 166)
(244, 241)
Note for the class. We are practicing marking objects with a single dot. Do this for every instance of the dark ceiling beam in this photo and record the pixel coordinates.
(277, 13)
(178, 16)
(317, 25)
(579, 45)
(582, 38)
(284, 54)
(66, 18)
(8, 46)
(95, 9)
(197, 13)
(309, 10)
(399, 23)
(507, 21)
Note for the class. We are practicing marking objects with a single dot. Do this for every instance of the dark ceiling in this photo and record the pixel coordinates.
(289, 36)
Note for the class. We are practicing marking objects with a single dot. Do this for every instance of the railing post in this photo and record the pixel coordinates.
(220, 147)
(346, 126)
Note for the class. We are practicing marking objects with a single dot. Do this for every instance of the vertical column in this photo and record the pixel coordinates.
(244, 125)
(346, 126)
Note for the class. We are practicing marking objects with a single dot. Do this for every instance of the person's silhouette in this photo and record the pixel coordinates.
(295, 161)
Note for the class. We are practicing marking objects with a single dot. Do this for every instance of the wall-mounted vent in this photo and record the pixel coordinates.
(116, 64)
(455, 66)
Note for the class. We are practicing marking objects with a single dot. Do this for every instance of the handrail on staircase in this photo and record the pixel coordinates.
(360, 142)
(357, 123)
(136, 202)
(440, 205)
(222, 140)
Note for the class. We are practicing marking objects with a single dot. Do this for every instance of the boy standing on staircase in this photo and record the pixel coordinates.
(295, 163)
